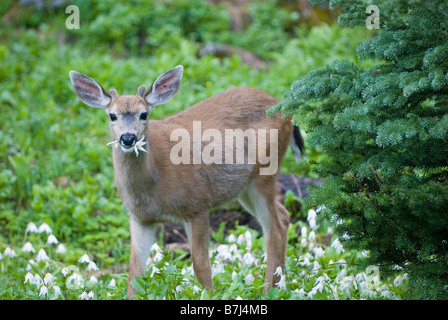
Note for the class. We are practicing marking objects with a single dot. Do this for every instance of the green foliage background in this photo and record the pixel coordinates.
(383, 130)
(55, 166)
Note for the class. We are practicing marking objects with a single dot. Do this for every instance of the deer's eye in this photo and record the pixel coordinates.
(112, 117)
(143, 115)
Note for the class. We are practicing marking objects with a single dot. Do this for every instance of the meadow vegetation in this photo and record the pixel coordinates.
(63, 230)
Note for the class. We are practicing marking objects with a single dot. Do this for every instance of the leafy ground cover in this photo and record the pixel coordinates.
(41, 269)
(63, 230)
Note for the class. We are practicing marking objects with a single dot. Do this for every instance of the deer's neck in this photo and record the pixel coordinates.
(135, 172)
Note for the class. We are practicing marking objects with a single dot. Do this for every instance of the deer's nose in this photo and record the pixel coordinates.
(128, 139)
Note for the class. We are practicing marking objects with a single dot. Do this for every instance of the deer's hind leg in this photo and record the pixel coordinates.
(259, 199)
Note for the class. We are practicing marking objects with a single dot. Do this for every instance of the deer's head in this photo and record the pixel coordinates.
(128, 114)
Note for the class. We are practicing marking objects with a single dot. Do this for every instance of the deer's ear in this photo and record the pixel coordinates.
(89, 91)
(165, 87)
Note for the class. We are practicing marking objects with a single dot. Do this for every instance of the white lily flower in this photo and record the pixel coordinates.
(83, 296)
(42, 256)
(31, 227)
(74, 281)
(282, 283)
(139, 145)
(247, 236)
(57, 291)
(85, 258)
(303, 243)
(224, 253)
(301, 291)
(318, 252)
(312, 292)
(61, 249)
(311, 215)
(240, 239)
(347, 284)
(115, 143)
(312, 223)
(249, 279)
(92, 266)
(93, 280)
(248, 259)
(154, 270)
(303, 231)
(90, 295)
(112, 283)
(38, 280)
(10, 252)
(44, 228)
(179, 289)
(29, 278)
(217, 268)
(43, 291)
(48, 279)
(319, 287)
(398, 281)
(338, 246)
(155, 248)
(28, 247)
(231, 239)
(52, 239)
(158, 257)
(196, 289)
(65, 271)
(278, 271)
(385, 292)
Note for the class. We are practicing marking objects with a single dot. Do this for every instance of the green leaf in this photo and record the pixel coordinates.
(135, 282)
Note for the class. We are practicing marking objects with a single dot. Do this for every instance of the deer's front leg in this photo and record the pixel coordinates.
(198, 233)
(142, 238)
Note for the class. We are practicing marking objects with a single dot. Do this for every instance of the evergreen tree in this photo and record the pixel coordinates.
(383, 134)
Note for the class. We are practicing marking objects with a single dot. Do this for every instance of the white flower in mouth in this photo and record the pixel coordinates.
(115, 143)
(137, 146)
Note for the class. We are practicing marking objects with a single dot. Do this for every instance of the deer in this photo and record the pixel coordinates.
(155, 190)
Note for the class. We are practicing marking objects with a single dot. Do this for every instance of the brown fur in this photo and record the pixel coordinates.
(154, 189)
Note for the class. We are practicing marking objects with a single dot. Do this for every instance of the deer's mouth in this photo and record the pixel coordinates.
(127, 149)
(135, 146)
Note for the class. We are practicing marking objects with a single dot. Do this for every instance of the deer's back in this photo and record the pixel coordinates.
(184, 189)
(240, 107)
